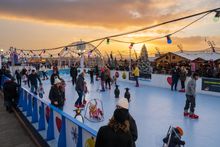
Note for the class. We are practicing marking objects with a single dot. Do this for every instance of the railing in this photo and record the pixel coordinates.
(54, 125)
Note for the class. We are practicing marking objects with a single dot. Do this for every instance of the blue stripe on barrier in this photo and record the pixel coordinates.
(29, 107)
(24, 105)
(41, 124)
(79, 142)
(50, 129)
(35, 111)
(62, 136)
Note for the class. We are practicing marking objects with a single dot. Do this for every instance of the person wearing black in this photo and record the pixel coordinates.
(116, 133)
(10, 90)
(54, 76)
(97, 72)
(32, 81)
(18, 76)
(73, 73)
(123, 104)
(91, 73)
(79, 89)
(175, 77)
(116, 91)
(56, 94)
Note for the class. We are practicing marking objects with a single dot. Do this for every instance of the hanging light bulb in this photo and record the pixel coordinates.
(51, 56)
(66, 48)
(107, 40)
(44, 51)
(131, 45)
(217, 16)
(58, 54)
(169, 41)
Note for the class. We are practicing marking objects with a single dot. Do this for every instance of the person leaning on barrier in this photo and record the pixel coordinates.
(56, 95)
(10, 90)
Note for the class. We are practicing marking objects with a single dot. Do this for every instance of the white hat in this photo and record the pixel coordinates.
(57, 80)
(123, 102)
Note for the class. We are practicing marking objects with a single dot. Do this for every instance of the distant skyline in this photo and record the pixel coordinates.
(33, 24)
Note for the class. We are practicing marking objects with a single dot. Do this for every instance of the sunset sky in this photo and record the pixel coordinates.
(33, 24)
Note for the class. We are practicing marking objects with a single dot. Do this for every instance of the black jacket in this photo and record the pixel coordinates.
(73, 72)
(32, 79)
(52, 78)
(133, 129)
(10, 90)
(107, 137)
(80, 83)
(56, 95)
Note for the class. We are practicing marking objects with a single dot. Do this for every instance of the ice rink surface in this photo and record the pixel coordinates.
(154, 110)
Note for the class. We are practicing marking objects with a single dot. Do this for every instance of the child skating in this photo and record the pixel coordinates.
(127, 94)
(191, 98)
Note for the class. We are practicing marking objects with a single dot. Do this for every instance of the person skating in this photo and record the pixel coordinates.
(54, 76)
(116, 91)
(91, 73)
(44, 72)
(136, 73)
(173, 138)
(102, 77)
(73, 73)
(123, 104)
(127, 94)
(18, 76)
(10, 90)
(32, 81)
(56, 95)
(116, 133)
(41, 91)
(79, 89)
(175, 77)
(191, 97)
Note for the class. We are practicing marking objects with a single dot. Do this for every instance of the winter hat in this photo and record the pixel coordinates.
(123, 102)
(180, 130)
(120, 115)
(127, 89)
(57, 80)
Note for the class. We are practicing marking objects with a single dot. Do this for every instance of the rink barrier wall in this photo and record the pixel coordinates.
(60, 128)
(159, 80)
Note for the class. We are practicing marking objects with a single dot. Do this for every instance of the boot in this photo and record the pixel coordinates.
(186, 114)
(193, 116)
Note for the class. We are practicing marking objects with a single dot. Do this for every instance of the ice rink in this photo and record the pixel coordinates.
(154, 110)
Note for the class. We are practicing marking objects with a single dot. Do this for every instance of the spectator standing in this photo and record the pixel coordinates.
(175, 77)
(183, 74)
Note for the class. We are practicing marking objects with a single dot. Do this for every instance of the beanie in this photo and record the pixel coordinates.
(120, 115)
(123, 102)
(180, 130)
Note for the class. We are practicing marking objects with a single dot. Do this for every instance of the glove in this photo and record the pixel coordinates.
(183, 142)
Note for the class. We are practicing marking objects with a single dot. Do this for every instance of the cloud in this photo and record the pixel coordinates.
(104, 13)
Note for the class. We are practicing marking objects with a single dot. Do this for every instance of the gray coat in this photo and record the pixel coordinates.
(191, 87)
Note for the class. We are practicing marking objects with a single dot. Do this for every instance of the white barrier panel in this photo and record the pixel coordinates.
(57, 124)
(158, 80)
(71, 134)
(88, 139)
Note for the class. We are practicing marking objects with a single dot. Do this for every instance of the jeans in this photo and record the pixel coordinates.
(44, 75)
(190, 103)
(174, 83)
(79, 100)
(34, 88)
(136, 79)
(73, 80)
(183, 84)
(18, 80)
(92, 79)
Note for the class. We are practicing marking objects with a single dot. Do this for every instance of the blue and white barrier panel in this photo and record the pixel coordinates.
(55, 126)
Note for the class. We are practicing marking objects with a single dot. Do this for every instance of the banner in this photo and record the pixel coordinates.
(211, 84)
(142, 77)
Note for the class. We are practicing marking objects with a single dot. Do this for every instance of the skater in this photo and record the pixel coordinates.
(32, 81)
(18, 76)
(44, 72)
(107, 77)
(54, 76)
(175, 77)
(136, 74)
(41, 91)
(173, 138)
(117, 91)
(191, 97)
(80, 89)
(127, 94)
(123, 104)
(102, 80)
(97, 72)
(183, 74)
(116, 133)
(56, 95)
(91, 73)
(73, 73)
(10, 90)
(84, 93)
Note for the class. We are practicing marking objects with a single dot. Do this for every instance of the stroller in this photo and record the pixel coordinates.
(173, 137)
